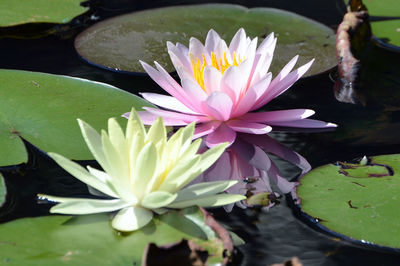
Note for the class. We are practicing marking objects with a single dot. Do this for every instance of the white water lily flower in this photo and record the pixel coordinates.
(143, 172)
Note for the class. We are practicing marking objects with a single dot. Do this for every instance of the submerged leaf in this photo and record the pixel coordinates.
(146, 33)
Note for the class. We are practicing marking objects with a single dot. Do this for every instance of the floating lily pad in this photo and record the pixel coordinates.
(120, 42)
(43, 108)
(358, 202)
(90, 240)
(388, 31)
(30, 11)
(389, 8)
(2, 190)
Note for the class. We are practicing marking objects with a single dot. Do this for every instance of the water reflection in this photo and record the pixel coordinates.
(248, 161)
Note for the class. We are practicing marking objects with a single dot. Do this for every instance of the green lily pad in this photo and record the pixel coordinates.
(43, 108)
(2, 190)
(389, 8)
(388, 31)
(90, 240)
(120, 42)
(30, 11)
(358, 201)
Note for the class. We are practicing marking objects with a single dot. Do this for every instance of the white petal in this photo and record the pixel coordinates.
(238, 42)
(131, 218)
(158, 199)
(79, 172)
(119, 171)
(210, 156)
(203, 189)
(157, 132)
(93, 141)
(87, 206)
(182, 173)
(208, 201)
(117, 136)
(212, 41)
(146, 166)
(134, 126)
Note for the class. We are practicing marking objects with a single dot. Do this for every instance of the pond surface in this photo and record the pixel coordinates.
(271, 236)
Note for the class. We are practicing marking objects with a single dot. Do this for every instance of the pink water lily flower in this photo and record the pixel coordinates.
(220, 87)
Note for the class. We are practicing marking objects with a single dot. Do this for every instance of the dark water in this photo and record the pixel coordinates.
(272, 236)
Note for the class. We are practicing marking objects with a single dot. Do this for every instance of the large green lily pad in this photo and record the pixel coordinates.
(389, 8)
(43, 108)
(120, 42)
(90, 240)
(28, 11)
(356, 200)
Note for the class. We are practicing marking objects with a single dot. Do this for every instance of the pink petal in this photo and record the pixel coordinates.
(266, 48)
(281, 86)
(212, 79)
(205, 129)
(278, 116)
(167, 102)
(222, 50)
(174, 117)
(163, 79)
(238, 42)
(252, 154)
(222, 134)
(172, 88)
(220, 170)
(232, 83)
(247, 102)
(274, 147)
(285, 70)
(247, 127)
(284, 185)
(304, 123)
(149, 118)
(245, 68)
(219, 106)
(212, 41)
(178, 57)
(196, 95)
(197, 50)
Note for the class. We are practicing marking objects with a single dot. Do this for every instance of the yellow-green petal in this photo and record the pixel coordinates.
(131, 219)
(134, 126)
(211, 155)
(87, 206)
(157, 199)
(208, 201)
(204, 189)
(146, 165)
(80, 173)
(157, 132)
(117, 136)
(180, 174)
(93, 141)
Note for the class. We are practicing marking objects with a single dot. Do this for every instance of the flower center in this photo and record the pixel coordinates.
(221, 64)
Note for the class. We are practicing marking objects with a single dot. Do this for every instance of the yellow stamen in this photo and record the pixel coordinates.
(221, 65)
